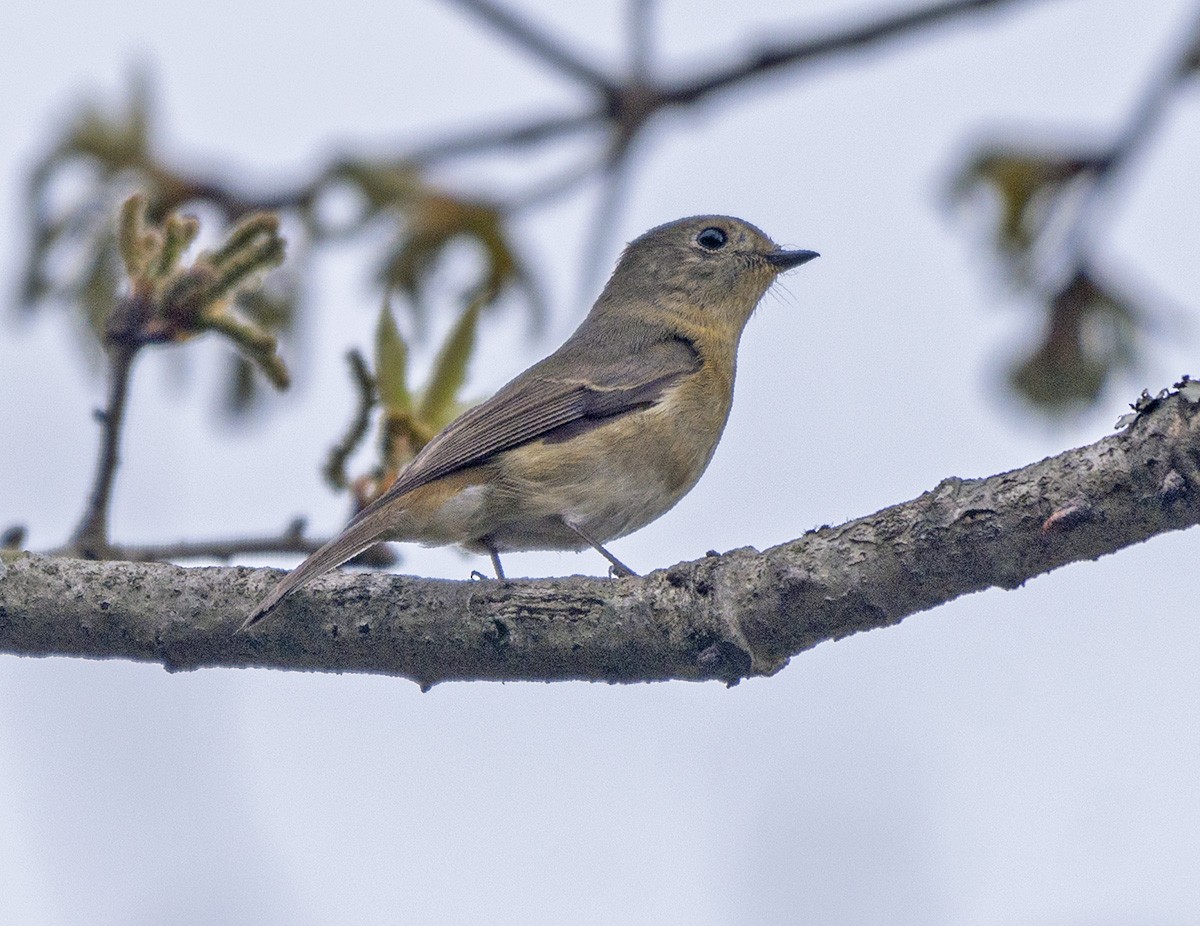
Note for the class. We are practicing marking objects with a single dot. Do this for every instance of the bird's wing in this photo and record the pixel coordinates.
(532, 407)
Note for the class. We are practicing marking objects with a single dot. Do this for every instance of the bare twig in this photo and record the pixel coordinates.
(837, 41)
(640, 27)
(540, 44)
(1138, 130)
(629, 105)
(555, 187)
(612, 194)
(335, 467)
(534, 131)
(291, 540)
(1151, 106)
(90, 539)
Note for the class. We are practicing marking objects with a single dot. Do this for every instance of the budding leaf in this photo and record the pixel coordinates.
(440, 399)
(391, 364)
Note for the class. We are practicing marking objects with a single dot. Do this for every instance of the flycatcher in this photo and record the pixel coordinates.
(604, 435)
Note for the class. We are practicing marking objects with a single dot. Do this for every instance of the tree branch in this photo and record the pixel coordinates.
(725, 617)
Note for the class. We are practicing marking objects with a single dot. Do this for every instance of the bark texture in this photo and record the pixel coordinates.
(723, 617)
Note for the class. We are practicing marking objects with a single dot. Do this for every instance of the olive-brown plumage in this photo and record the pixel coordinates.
(604, 435)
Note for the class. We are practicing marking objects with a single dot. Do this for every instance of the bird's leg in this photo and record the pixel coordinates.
(618, 567)
(495, 555)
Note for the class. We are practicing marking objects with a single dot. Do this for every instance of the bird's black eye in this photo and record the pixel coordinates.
(712, 238)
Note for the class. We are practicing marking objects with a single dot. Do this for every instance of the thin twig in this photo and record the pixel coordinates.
(838, 41)
(604, 220)
(619, 101)
(90, 539)
(628, 106)
(1148, 112)
(559, 185)
(640, 26)
(291, 540)
(534, 131)
(542, 45)
(1140, 126)
(335, 467)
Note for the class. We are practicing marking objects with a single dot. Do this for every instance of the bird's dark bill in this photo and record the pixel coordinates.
(786, 260)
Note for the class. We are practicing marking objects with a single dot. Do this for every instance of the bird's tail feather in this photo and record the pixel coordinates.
(359, 535)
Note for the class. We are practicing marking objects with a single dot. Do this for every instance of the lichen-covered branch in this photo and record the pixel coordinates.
(724, 617)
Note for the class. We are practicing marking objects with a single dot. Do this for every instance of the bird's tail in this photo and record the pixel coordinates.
(361, 533)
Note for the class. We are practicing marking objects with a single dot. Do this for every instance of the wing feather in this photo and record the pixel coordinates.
(534, 406)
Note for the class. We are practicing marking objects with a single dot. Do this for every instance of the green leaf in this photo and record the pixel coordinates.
(1024, 180)
(138, 244)
(440, 398)
(391, 363)
(255, 345)
(1091, 333)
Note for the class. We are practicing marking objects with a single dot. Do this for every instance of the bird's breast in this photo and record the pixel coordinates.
(620, 474)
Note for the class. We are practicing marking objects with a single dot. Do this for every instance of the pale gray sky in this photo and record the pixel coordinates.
(1021, 757)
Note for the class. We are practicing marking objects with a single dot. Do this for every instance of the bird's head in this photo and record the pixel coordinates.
(715, 265)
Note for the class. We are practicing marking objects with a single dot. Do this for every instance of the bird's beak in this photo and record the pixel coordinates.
(786, 260)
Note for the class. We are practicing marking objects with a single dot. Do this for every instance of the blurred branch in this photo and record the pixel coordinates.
(124, 146)
(1046, 234)
(1156, 96)
(364, 384)
(724, 617)
(628, 105)
(615, 180)
(836, 41)
(1139, 129)
(639, 30)
(538, 43)
(534, 132)
(625, 105)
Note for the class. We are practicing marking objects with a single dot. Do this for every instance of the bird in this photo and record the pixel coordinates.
(601, 437)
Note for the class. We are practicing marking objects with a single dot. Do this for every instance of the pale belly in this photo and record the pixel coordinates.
(609, 481)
